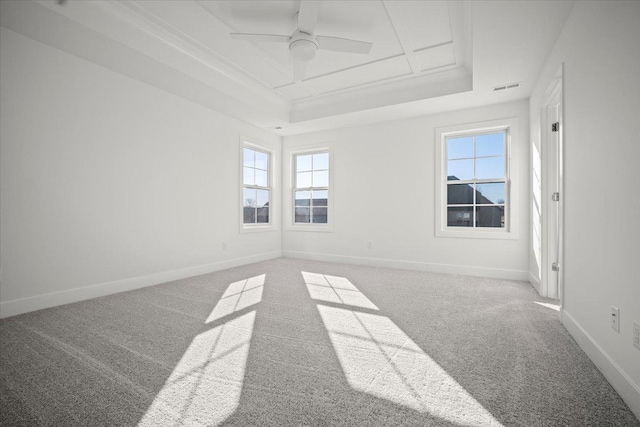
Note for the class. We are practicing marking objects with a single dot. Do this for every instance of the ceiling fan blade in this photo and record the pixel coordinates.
(299, 70)
(343, 45)
(308, 15)
(261, 37)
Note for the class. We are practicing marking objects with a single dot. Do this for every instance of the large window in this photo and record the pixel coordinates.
(256, 186)
(476, 179)
(311, 188)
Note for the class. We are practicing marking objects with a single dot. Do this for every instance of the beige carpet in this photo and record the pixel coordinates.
(290, 342)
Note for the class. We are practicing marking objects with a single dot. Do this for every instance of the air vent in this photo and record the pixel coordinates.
(504, 87)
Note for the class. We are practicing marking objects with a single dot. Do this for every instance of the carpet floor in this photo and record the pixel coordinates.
(291, 342)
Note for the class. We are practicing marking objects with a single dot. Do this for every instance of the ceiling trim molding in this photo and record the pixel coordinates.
(319, 76)
(395, 16)
(448, 82)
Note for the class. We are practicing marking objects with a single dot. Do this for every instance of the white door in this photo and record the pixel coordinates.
(553, 198)
(552, 192)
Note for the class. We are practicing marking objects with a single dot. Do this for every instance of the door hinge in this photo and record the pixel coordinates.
(555, 197)
(555, 127)
(555, 266)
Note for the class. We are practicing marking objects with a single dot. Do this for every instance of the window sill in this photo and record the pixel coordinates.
(325, 228)
(257, 228)
(477, 234)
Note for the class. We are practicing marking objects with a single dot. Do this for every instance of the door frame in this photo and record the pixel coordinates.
(553, 95)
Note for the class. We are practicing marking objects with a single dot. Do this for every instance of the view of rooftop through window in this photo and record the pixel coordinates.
(256, 191)
(477, 180)
(311, 191)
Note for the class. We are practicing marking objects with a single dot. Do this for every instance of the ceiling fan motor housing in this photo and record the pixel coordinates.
(303, 46)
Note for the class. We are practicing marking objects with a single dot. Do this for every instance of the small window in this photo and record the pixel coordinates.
(256, 187)
(311, 188)
(476, 181)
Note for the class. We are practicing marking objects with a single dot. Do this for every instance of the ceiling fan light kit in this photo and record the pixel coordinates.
(303, 47)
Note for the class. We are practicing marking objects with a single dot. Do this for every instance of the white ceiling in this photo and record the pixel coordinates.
(420, 63)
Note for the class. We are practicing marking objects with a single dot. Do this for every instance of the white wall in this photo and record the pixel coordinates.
(599, 49)
(384, 191)
(109, 184)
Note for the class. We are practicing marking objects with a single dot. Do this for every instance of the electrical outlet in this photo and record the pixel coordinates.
(370, 244)
(224, 246)
(615, 319)
(636, 334)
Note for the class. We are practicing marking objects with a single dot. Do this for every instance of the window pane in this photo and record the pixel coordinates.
(249, 215)
(261, 178)
(321, 179)
(459, 147)
(303, 163)
(262, 198)
(492, 167)
(302, 198)
(459, 169)
(262, 216)
(247, 157)
(262, 160)
(490, 216)
(320, 215)
(490, 193)
(248, 176)
(320, 197)
(490, 145)
(460, 194)
(321, 161)
(303, 215)
(460, 217)
(249, 197)
(303, 179)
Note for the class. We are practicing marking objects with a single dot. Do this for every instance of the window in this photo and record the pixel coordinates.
(256, 186)
(311, 188)
(474, 179)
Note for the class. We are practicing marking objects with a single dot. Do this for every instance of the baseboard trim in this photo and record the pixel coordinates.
(497, 273)
(534, 282)
(39, 302)
(619, 380)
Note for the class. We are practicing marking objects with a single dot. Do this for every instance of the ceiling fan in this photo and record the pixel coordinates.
(303, 43)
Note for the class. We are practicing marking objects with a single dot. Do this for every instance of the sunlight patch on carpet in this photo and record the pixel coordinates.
(339, 290)
(239, 295)
(379, 359)
(205, 386)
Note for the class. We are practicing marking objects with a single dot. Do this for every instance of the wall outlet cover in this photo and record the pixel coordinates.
(615, 319)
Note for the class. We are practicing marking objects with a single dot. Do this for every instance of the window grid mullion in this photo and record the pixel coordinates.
(253, 167)
(310, 189)
(257, 187)
(475, 181)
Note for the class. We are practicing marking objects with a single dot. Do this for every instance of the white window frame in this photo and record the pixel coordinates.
(289, 210)
(272, 186)
(510, 127)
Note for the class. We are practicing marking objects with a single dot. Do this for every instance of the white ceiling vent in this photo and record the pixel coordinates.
(504, 87)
